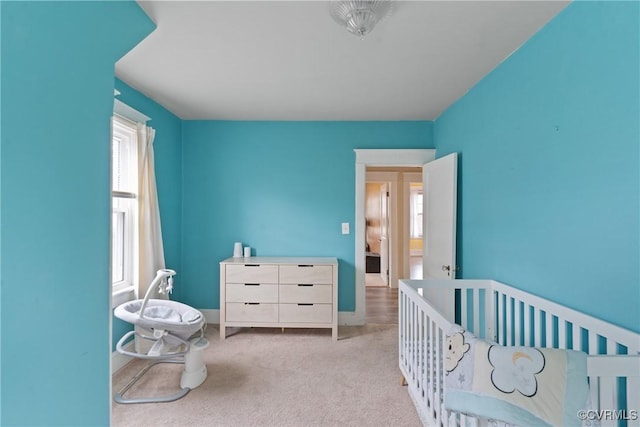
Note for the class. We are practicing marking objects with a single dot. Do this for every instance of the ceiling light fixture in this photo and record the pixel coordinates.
(359, 17)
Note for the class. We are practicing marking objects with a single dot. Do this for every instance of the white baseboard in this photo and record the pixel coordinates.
(212, 316)
(345, 318)
(118, 360)
(350, 318)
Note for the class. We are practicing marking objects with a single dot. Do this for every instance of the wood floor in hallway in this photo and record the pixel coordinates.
(382, 305)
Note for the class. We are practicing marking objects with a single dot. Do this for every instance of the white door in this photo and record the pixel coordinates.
(439, 179)
(384, 233)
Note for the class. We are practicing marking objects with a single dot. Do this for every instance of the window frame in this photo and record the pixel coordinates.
(125, 202)
(416, 215)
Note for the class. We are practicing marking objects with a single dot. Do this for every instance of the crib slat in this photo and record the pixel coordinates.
(411, 338)
(452, 418)
(424, 323)
(419, 355)
(401, 324)
(489, 316)
(463, 308)
(517, 321)
(476, 312)
(509, 322)
(416, 344)
(593, 343)
(430, 350)
(607, 398)
(527, 325)
(509, 332)
(408, 336)
(562, 333)
(500, 317)
(594, 391)
(537, 327)
(438, 354)
(548, 318)
(576, 337)
(633, 399)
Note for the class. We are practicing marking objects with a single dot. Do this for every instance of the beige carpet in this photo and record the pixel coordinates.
(263, 377)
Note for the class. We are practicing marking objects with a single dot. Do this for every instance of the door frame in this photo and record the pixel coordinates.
(364, 158)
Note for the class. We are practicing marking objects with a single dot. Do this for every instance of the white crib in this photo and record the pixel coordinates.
(493, 311)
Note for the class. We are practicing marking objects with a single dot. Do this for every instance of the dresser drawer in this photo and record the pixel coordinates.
(251, 292)
(251, 312)
(307, 274)
(251, 273)
(304, 293)
(306, 313)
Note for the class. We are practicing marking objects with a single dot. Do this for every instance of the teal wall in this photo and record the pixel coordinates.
(549, 176)
(57, 99)
(167, 146)
(1, 218)
(549, 186)
(282, 188)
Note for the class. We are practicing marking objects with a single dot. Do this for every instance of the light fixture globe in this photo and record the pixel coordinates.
(359, 17)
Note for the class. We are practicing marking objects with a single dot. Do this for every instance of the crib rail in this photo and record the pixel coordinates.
(525, 319)
(522, 319)
(611, 377)
(494, 311)
(421, 337)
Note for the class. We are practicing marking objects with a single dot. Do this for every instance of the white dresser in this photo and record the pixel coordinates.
(291, 292)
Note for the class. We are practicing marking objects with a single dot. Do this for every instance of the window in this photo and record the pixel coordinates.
(416, 211)
(124, 185)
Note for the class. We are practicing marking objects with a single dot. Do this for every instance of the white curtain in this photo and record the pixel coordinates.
(151, 251)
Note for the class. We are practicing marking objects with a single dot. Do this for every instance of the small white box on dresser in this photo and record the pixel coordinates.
(286, 292)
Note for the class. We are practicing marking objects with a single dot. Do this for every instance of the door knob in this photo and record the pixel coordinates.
(448, 269)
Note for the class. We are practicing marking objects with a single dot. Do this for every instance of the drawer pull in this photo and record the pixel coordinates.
(305, 284)
(252, 284)
(299, 304)
(251, 303)
(305, 265)
(252, 265)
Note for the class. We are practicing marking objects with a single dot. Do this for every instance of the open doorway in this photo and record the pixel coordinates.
(371, 159)
(392, 241)
(380, 246)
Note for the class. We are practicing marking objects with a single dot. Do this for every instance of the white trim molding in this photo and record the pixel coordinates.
(392, 157)
(345, 318)
(123, 110)
(211, 316)
(119, 360)
(376, 157)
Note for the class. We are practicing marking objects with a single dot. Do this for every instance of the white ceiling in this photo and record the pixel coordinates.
(288, 60)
